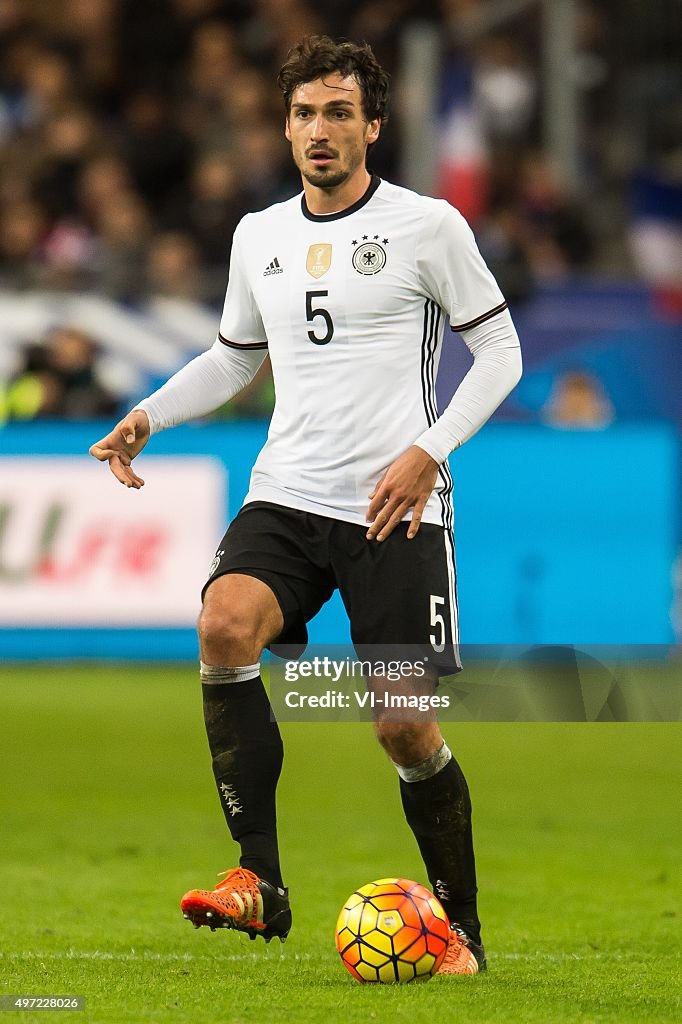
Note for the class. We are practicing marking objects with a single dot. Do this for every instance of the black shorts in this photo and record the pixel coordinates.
(396, 592)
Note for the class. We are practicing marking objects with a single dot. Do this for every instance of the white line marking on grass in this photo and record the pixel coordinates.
(147, 955)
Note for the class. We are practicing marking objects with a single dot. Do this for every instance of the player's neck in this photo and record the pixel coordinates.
(321, 201)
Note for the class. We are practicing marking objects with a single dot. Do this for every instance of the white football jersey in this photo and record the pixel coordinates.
(351, 309)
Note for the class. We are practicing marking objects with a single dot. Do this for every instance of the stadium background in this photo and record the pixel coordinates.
(133, 135)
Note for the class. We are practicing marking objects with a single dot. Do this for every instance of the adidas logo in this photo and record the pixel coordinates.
(273, 268)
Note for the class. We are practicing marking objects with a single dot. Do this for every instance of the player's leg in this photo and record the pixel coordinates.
(437, 806)
(241, 616)
(403, 593)
(263, 587)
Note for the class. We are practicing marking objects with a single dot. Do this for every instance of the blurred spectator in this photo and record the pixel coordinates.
(102, 179)
(265, 169)
(149, 44)
(578, 402)
(72, 359)
(212, 206)
(173, 267)
(501, 241)
(34, 392)
(656, 234)
(213, 62)
(15, 23)
(656, 197)
(19, 48)
(22, 229)
(275, 26)
(59, 378)
(68, 252)
(156, 150)
(557, 236)
(504, 89)
(69, 140)
(86, 33)
(248, 100)
(123, 227)
(48, 83)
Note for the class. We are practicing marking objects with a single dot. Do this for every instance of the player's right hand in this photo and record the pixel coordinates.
(120, 447)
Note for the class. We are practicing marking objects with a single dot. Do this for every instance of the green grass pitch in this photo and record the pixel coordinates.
(108, 815)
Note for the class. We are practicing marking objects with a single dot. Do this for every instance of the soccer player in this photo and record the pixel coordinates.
(348, 287)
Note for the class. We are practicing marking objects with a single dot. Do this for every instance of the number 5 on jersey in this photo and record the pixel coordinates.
(437, 639)
(311, 312)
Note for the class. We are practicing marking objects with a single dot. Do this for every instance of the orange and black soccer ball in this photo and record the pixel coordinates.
(392, 930)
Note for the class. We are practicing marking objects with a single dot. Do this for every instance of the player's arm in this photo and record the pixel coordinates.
(200, 387)
(495, 371)
(454, 274)
(409, 481)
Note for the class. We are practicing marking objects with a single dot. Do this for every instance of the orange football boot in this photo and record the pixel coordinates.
(241, 901)
(463, 956)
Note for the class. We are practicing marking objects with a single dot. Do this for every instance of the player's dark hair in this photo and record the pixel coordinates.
(318, 56)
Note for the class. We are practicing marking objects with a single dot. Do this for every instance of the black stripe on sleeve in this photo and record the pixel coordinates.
(428, 351)
(479, 319)
(235, 344)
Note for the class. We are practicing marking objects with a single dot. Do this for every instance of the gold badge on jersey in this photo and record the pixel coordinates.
(319, 259)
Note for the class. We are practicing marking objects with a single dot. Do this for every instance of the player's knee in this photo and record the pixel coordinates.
(402, 741)
(227, 634)
(408, 742)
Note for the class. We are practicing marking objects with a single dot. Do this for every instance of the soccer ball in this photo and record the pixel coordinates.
(392, 930)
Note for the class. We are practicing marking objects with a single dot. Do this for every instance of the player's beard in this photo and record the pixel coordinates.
(324, 177)
(332, 177)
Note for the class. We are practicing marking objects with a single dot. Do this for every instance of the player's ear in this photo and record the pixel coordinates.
(373, 131)
(287, 129)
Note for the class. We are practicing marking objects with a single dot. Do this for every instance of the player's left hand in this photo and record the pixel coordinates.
(406, 484)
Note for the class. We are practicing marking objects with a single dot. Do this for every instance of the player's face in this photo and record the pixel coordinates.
(328, 131)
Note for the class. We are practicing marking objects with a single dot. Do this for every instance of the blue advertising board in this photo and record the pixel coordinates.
(563, 537)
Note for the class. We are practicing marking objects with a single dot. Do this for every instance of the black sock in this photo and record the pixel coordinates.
(438, 810)
(247, 759)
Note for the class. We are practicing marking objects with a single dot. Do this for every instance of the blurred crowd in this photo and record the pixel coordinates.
(134, 134)
(58, 379)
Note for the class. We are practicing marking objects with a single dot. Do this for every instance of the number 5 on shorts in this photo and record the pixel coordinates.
(437, 640)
